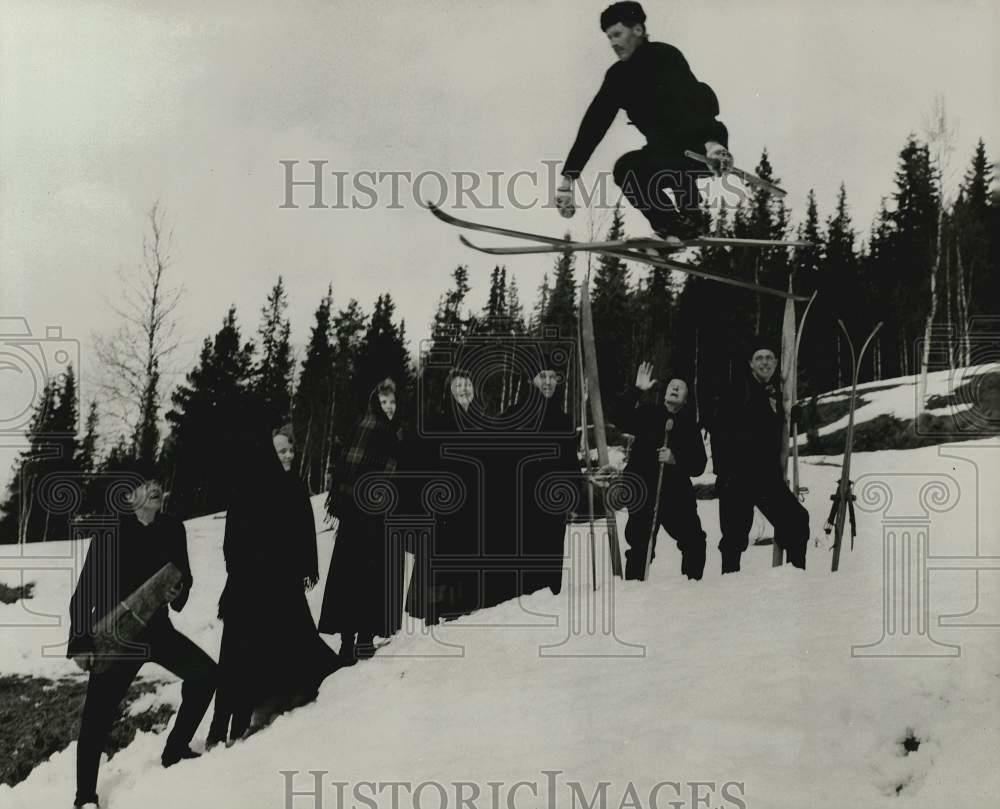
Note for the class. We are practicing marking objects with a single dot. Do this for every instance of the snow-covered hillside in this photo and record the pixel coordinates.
(748, 682)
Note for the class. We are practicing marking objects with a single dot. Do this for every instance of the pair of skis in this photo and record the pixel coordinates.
(648, 251)
(842, 507)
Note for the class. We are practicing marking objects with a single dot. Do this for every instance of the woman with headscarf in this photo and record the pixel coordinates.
(272, 657)
(364, 589)
(447, 578)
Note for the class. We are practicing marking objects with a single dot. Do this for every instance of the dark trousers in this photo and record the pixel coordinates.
(105, 692)
(782, 509)
(678, 516)
(646, 174)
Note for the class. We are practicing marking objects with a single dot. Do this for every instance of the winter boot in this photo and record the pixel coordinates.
(365, 649)
(731, 562)
(348, 652)
(171, 755)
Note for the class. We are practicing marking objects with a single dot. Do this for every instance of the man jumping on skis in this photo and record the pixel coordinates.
(653, 84)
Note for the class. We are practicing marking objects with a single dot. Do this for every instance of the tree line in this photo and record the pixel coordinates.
(927, 268)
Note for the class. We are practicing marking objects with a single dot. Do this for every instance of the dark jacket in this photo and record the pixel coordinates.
(747, 432)
(663, 99)
(117, 564)
(270, 548)
(270, 535)
(646, 419)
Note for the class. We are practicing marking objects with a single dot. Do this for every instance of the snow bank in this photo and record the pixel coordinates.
(755, 683)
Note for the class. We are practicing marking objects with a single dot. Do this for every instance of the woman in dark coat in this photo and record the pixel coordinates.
(447, 576)
(272, 658)
(364, 590)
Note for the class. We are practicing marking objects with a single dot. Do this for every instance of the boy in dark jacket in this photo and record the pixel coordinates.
(664, 434)
(117, 564)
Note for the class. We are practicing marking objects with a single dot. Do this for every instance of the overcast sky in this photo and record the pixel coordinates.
(107, 107)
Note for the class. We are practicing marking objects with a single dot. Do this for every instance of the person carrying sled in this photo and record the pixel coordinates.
(117, 564)
(666, 435)
(653, 83)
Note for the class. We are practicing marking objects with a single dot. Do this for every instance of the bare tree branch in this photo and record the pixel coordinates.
(134, 357)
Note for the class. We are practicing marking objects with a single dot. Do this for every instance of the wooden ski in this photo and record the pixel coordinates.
(597, 410)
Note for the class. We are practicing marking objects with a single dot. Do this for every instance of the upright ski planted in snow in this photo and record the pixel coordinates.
(790, 339)
(843, 498)
(597, 409)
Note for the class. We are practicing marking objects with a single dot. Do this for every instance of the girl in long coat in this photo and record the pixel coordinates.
(272, 657)
(364, 590)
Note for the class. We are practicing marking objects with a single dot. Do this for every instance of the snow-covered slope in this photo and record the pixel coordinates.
(748, 682)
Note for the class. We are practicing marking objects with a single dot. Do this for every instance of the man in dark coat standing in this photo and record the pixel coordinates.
(545, 467)
(117, 564)
(665, 434)
(653, 83)
(747, 436)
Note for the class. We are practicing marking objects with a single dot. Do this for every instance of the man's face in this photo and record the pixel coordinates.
(387, 401)
(676, 395)
(148, 497)
(546, 382)
(763, 363)
(462, 390)
(625, 40)
(286, 452)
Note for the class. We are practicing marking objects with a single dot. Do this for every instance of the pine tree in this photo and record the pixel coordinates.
(561, 311)
(213, 416)
(382, 352)
(612, 325)
(349, 326)
(87, 462)
(274, 372)
(976, 231)
(515, 309)
(449, 324)
(541, 305)
(25, 517)
(911, 253)
(313, 403)
(825, 364)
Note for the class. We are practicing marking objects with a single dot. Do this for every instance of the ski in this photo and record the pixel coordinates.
(597, 411)
(790, 338)
(843, 497)
(625, 253)
(745, 176)
(636, 244)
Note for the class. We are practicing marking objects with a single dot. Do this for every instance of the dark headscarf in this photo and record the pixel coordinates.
(374, 447)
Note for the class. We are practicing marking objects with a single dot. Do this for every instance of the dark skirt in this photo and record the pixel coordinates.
(364, 588)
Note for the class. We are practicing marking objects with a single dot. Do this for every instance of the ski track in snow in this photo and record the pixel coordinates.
(747, 678)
